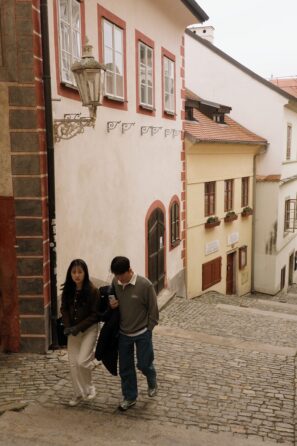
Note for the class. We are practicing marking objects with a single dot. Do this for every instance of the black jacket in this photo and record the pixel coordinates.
(107, 345)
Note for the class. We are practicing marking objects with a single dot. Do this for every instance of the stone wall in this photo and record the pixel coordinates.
(25, 167)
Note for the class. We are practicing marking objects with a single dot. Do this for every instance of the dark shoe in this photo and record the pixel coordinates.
(152, 391)
(126, 404)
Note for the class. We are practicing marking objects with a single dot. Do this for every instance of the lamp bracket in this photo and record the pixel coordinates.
(111, 125)
(145, 129)
(155, 130)
(71, 125)
(127, 126)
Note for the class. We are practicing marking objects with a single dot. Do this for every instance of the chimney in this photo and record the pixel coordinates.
(206, 32)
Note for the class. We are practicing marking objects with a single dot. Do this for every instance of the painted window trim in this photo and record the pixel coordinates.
(288, 156)
(207, 211)
(228, 208)
(172, 245)
(64, 89)
(167, 114)
(103, 13)
(245, 196)
(242, 257)
(141, 108)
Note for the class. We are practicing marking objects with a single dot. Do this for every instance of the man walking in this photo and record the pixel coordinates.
(139, 314)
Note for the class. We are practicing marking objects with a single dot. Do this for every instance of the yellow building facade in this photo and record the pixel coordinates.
(220, 198)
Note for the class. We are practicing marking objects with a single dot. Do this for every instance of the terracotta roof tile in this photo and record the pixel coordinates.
(289, 85)
(207, 130)
(270, 178)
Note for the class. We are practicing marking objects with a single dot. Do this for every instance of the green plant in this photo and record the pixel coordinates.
(213, 219)
(247, 209)
(230, 214)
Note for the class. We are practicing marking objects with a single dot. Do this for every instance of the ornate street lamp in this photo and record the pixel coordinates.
(90, 77)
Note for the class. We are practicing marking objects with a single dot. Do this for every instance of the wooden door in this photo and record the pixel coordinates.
(156, 257)
(230, 285)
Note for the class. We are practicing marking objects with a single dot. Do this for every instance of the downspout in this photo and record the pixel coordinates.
(50, 165)
(261, 152)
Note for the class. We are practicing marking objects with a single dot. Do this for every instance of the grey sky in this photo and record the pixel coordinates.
(261, 34)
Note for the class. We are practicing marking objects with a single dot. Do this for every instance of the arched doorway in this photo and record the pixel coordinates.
(156, 249)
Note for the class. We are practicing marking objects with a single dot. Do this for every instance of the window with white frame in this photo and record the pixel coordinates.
(113, 58)
(145, 75)
(289, 142)
(169, 99)
(70, 37)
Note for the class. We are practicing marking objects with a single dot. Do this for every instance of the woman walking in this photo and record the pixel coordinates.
(80, 313)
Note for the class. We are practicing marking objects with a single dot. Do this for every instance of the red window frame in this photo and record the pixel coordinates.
(103, 13)
(171, 56)
(140, 37)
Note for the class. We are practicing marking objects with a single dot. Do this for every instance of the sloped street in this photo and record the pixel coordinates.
(227, 375)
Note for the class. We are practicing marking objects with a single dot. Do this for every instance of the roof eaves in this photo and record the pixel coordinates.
(230, 59)
(196, 10)
(194, 139)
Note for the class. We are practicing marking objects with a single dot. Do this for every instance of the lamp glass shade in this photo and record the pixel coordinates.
(90, 78)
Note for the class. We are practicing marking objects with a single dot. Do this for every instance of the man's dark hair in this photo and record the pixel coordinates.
(120, 265)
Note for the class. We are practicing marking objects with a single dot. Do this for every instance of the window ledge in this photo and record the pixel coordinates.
(170, 113)
(147, 107)
(114, 98)
(72, 86)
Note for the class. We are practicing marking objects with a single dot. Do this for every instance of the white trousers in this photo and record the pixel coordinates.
(81, 350)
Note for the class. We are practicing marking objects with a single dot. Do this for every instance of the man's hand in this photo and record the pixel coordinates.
(113, 302)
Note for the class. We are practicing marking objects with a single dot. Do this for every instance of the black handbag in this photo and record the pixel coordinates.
(62, 339)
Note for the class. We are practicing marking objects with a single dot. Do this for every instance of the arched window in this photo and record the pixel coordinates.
(174, 224)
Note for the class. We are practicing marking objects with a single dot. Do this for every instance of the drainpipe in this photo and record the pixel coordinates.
(50, 163)
(261, 152)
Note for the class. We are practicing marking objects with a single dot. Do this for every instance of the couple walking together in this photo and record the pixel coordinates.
(138, 314)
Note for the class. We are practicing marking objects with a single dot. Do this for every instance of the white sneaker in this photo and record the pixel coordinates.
(92, 393)
(75, 401)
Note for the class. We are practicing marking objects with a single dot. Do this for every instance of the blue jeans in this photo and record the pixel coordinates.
(145, 358)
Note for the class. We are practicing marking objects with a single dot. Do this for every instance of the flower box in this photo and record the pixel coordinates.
(230, 216)
(247, 211)
(212, 222)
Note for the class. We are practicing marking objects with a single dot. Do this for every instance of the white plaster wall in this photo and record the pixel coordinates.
(263, 111)
(253, 104)
(106, 182)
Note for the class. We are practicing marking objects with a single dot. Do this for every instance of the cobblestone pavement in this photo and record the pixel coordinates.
(225, 364)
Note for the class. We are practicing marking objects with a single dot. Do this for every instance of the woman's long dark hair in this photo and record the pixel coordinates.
(68, 287)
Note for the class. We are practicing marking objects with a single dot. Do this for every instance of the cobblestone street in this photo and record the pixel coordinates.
(225, 364)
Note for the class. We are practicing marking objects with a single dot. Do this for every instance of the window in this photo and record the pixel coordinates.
(228, 198)
(113, 58)
(242, 257)
(174, 224)
(289, 142)
(209, 198)
(145, 75)
(290, 218)
(211, 273)
(169, 81)
(244, 191)
(70, 38)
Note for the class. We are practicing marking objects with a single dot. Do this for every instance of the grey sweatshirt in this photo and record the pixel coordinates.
(138, 305)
